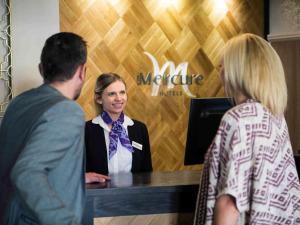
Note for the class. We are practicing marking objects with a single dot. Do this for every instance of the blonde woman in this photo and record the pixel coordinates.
(249, 175)
(115, 143)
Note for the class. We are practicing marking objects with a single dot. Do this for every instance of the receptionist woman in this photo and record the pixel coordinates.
(115, 143)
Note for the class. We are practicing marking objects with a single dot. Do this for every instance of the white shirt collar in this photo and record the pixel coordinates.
(99, 120)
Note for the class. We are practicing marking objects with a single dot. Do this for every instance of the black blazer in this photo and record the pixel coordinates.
(96, 152)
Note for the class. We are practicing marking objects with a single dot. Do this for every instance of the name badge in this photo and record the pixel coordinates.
(137, 145)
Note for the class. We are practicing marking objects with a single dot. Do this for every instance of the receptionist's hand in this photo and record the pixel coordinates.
(92, 177)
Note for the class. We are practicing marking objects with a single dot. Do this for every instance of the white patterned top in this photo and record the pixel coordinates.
(251, 159)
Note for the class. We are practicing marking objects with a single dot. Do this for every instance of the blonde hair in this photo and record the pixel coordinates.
(253, 68)
(102, 82)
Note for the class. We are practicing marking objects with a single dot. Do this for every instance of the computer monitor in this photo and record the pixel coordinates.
(297, 161)
(204, 119)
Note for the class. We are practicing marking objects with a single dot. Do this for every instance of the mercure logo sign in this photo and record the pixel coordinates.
(176, 76)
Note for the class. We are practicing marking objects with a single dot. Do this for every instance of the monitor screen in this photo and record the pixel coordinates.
(297, 161)
(204, 119)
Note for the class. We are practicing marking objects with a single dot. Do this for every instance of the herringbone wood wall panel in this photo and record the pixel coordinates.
(118, 33)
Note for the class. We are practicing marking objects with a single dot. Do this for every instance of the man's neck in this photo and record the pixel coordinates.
(64, 88)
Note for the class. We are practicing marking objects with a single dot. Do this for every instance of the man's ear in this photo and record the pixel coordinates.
(82, 71)
(41, 69)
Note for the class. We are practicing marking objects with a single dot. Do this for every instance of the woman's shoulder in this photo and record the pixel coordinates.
(95, 122)
(88, 122)
(247, 112)
(89, 126)
(138, 122)
(246, 109)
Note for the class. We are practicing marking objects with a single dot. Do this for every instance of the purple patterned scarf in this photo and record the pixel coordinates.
(117, 131)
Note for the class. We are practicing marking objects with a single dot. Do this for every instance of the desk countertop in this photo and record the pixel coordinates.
(143, 193)
(145, 181)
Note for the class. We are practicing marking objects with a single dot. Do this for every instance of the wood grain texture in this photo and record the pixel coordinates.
(194, 31)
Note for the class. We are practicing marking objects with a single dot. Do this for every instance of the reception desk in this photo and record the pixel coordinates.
(141, 194)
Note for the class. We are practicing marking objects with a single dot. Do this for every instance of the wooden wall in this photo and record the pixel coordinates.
(194, 31)
(289, 52)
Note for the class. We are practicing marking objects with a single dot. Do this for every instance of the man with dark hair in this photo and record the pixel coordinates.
(42, 142)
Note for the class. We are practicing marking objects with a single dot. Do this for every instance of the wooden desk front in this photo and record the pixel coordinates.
(141, 194)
